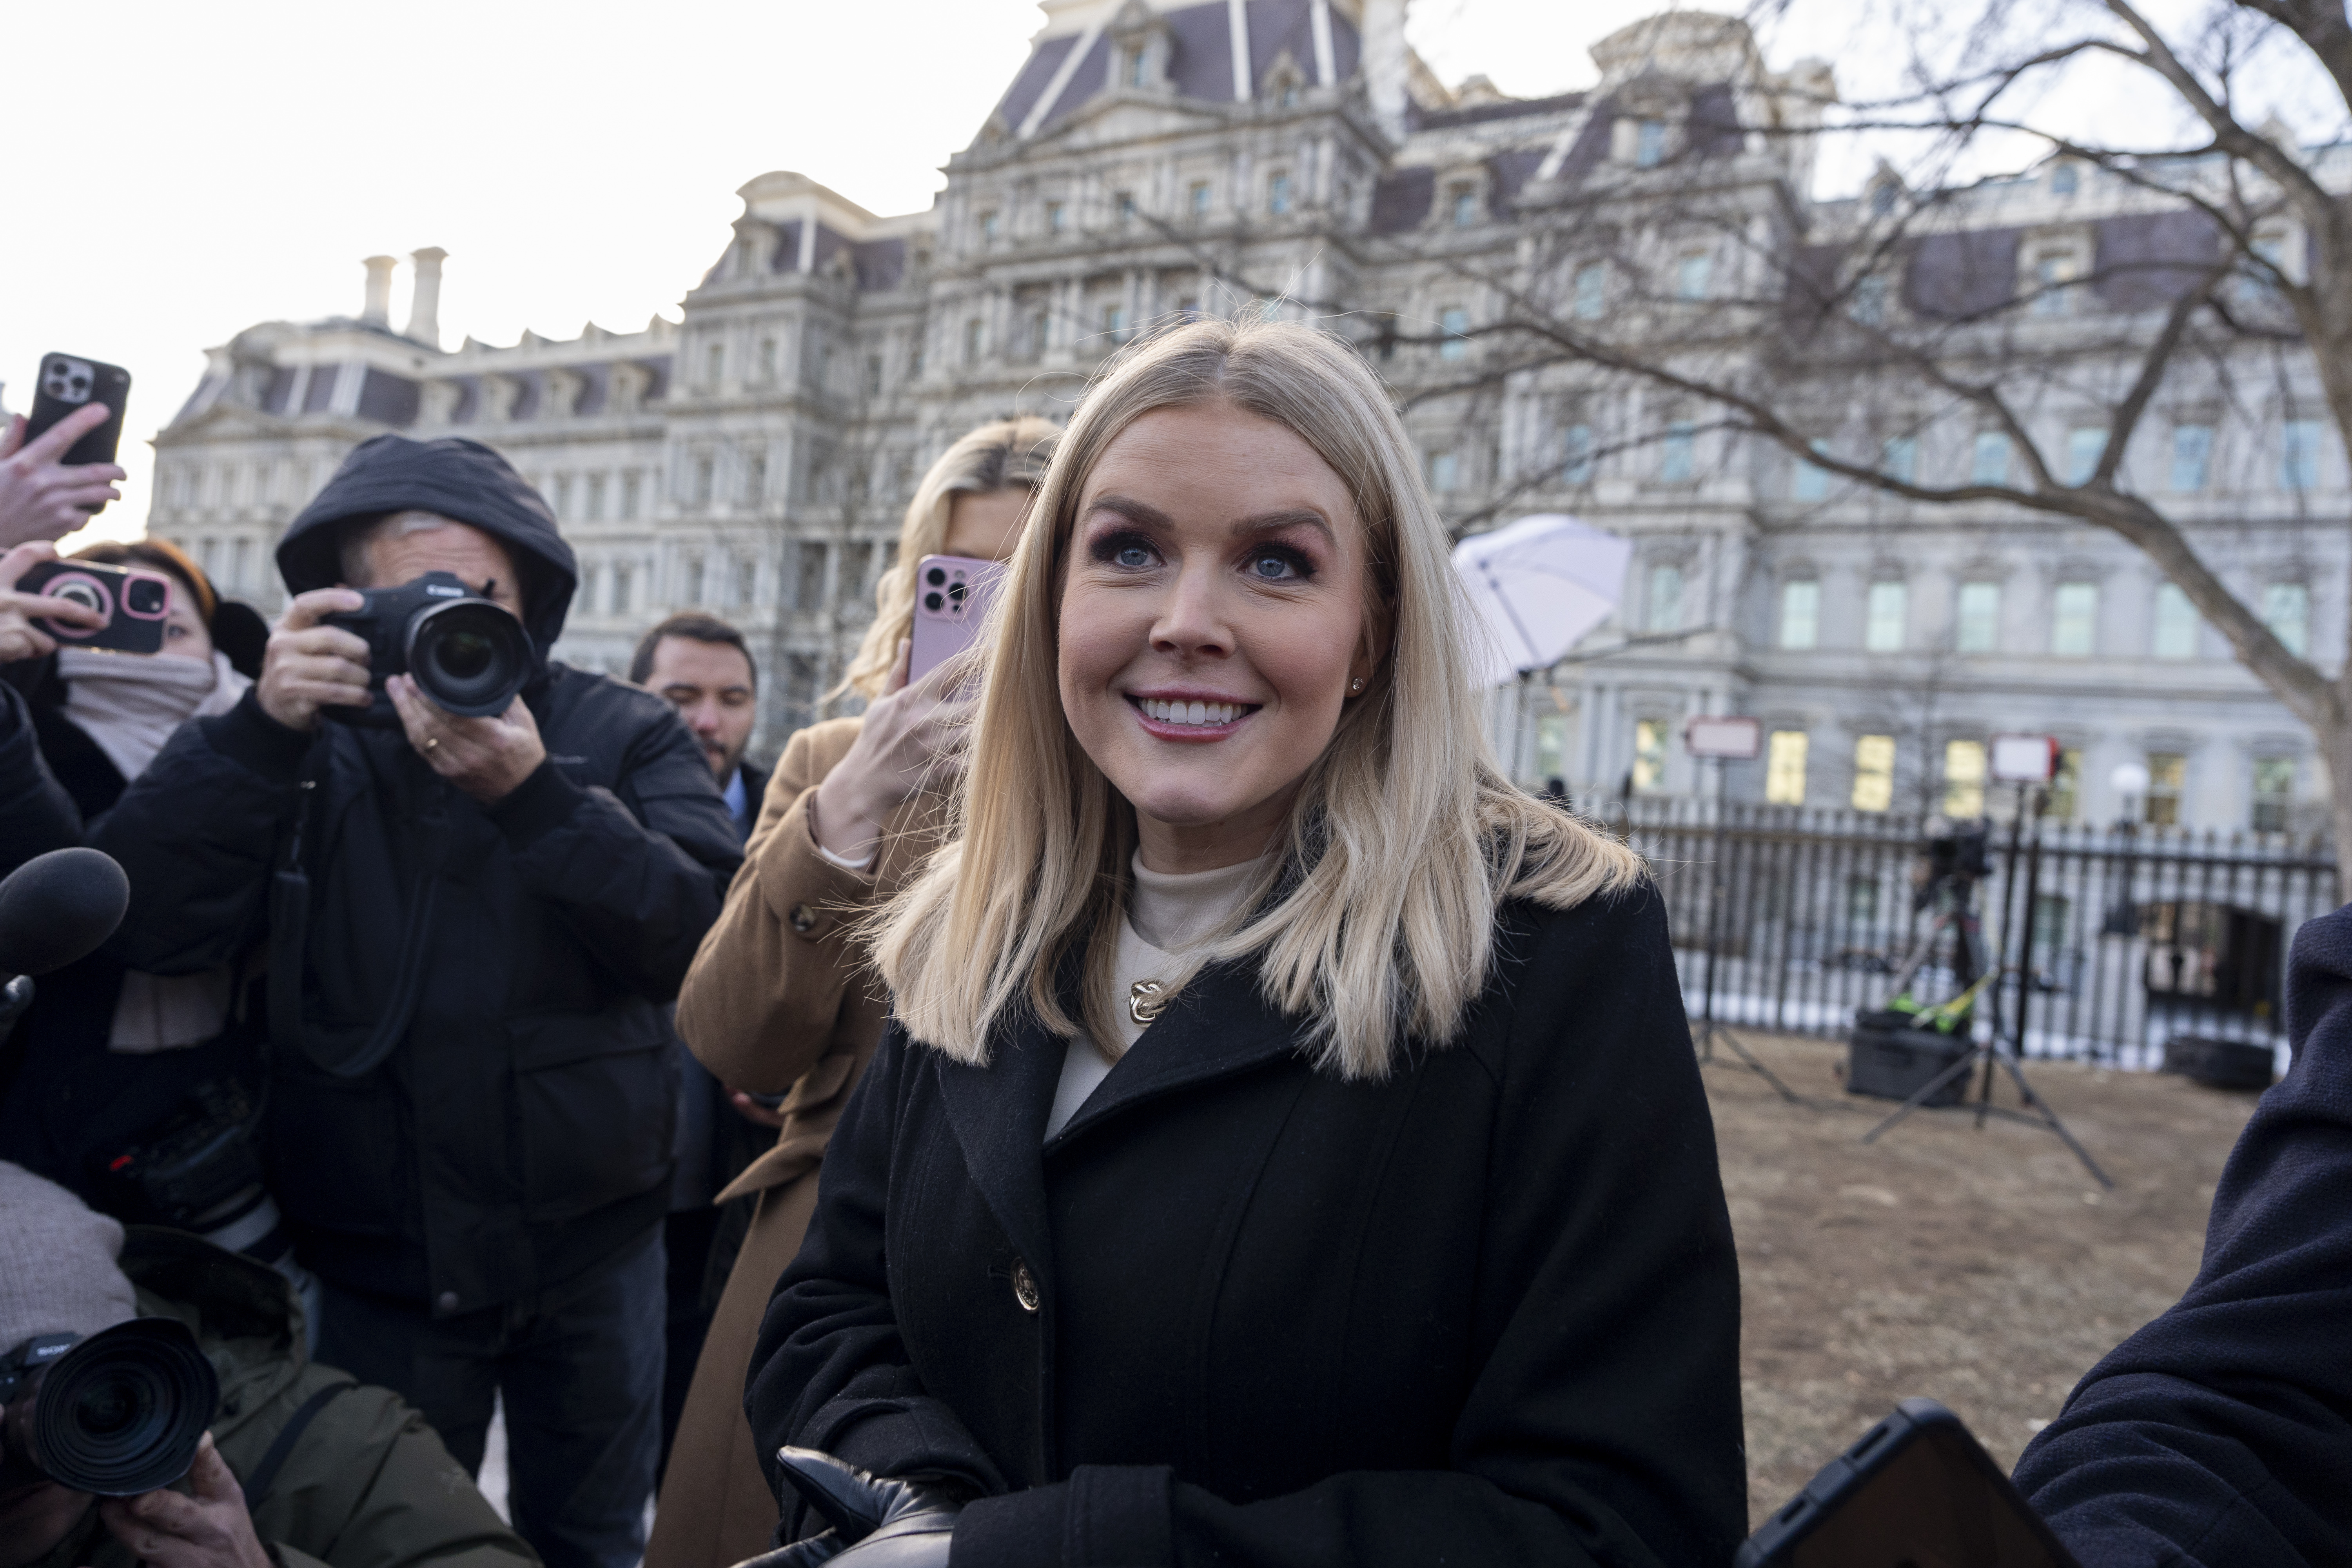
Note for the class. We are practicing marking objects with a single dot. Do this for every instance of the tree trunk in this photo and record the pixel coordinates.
(2335, 740)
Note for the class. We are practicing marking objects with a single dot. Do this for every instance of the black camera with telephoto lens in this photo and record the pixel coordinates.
(468, 654)
(117, 1413)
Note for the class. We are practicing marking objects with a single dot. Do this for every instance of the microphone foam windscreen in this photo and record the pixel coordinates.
(56, 907)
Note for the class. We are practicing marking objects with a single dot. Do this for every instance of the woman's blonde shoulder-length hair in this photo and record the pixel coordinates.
(1002, 454)
(1374, 924)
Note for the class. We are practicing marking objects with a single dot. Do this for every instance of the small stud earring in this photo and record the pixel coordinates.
(1356, 685)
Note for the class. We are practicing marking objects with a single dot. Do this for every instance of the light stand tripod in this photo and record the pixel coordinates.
(1988, 1050)
(1709, 1030)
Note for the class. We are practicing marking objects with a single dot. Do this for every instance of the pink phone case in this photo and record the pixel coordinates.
(952, 597)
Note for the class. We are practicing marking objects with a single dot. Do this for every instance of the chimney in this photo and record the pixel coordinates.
(377, 311)
(424, 304)
(1385, 67)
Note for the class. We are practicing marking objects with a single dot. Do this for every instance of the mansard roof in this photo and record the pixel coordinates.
(1068, 66)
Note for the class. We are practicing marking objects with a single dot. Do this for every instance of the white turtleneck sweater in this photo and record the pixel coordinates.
(1168, 914)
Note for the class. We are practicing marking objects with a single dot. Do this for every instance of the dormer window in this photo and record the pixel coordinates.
(1693, 273)
(1868, 304)
(1649, 143)
(2052, 271)
(1288, 96)
(1883, 197)
(2064, 179)
(1461, 202)
(1139, 44)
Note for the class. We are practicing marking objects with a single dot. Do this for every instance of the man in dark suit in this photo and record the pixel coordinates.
(700, 666)
(2222, 1433)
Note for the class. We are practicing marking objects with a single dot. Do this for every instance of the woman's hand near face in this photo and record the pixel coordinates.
(913, 736)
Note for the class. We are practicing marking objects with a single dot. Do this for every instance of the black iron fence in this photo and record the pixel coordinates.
(2101, 943)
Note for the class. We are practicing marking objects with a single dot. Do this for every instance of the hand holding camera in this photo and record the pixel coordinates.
(208, 1528)
(442, 662)
(308, 667)
(486, 757)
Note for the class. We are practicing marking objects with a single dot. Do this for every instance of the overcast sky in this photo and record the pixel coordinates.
(212, 167)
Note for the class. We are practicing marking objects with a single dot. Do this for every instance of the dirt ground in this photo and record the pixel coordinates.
(1984, 1270)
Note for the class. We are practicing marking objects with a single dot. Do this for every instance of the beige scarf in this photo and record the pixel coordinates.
(130, 706)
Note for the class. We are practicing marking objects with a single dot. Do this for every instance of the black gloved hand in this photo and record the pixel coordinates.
(878, 1521)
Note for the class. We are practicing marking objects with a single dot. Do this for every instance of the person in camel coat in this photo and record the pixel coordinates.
(781, 1000)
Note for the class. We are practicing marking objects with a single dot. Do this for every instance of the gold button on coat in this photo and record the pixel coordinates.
(1025, 1287)
(803, 917)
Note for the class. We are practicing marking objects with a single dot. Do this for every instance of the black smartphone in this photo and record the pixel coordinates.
(135, 603)
(67, 383)
(1916, 1491)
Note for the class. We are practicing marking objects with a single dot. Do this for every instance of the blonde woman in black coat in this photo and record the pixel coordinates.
(1287, 1148)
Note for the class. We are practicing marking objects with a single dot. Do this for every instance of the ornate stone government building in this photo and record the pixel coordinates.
(1157, 160)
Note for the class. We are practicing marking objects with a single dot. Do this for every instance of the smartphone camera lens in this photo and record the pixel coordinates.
(956, 593)
(144, 597)
(934, 603)
(937, 576)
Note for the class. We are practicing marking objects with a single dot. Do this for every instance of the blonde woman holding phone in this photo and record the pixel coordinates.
(1286, 1148)
(781, 1005)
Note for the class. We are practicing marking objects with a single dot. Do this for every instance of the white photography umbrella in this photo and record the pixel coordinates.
(1540, 586)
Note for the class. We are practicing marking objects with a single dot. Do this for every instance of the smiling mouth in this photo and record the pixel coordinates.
(1187, 719)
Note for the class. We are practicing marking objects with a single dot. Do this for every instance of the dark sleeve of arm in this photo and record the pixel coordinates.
(830, 1370)
(2222, 1433)
(639, 889)
(196, 832)
(372, 1483)
(1603, 1426)
(38, 816)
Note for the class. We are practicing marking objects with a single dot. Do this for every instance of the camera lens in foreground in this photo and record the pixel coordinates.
(934, 602)
(144, 597)
(469, 657)
(122, 1412)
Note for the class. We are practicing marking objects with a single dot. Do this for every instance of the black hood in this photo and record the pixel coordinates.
(456, 477)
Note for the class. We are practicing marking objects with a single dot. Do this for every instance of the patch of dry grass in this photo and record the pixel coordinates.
(1983, 1269)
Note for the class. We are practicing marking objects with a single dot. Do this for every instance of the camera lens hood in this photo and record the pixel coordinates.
(122, 1412)
(469, 656)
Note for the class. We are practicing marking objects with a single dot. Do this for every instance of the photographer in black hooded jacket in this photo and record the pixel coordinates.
(472, 923)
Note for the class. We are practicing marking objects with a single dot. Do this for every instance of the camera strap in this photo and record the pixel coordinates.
(265, 1473)
(345, 1056)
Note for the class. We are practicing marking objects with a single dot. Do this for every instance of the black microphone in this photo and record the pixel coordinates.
(56, 907)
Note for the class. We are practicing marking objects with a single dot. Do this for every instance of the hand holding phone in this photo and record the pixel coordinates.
(57, 468)
(126, 608)
(24, 614)
(1915, 1489)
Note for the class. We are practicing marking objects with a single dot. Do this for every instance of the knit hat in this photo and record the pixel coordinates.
(57, 1263)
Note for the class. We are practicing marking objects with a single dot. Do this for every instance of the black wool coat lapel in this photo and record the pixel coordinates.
(1218, 1026)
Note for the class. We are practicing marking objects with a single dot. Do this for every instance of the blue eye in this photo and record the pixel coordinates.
(1276, 566)
(1131, 555)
